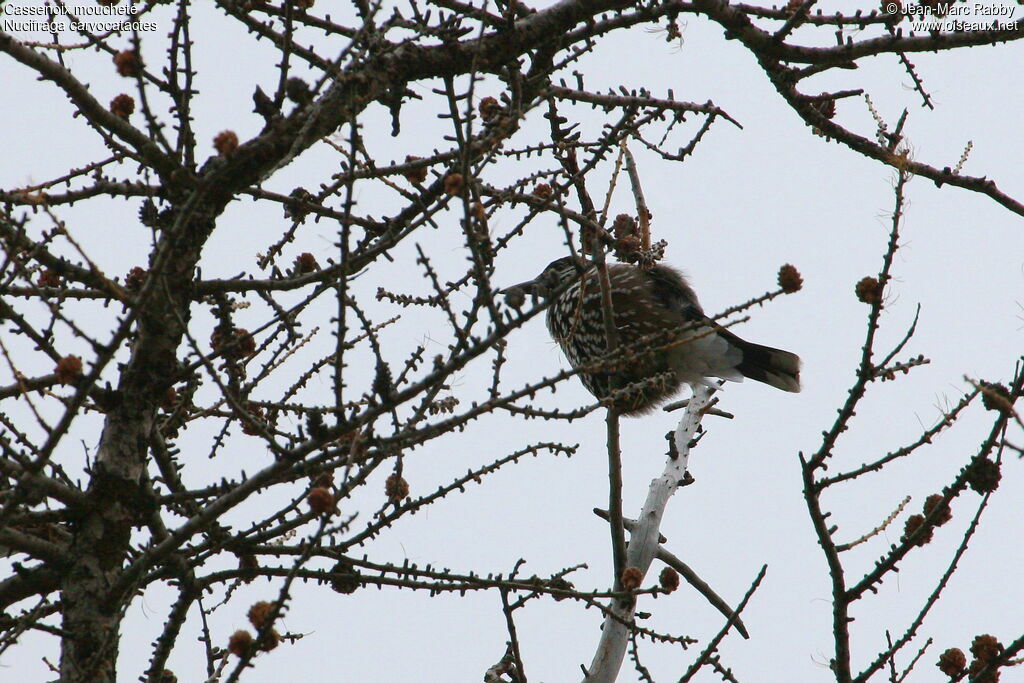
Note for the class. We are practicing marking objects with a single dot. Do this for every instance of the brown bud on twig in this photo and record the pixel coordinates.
(488, 108)
(983, 475)
(826, 108)
(49, 278)
(306, 263)
(453, 183)
(295, 209)
(789, 279)
(225, 143)
(952, 662)
(122, 106)
(128, 63)
(234, 342)
(149, 215)
(259, 613)
(349, 582)
(416, 175)
(320, 500)
(995, 396)
(932, 503)
(631, 578)
(623, 225)
(627, 248)
(396, 489)
(69, 369)
(669, 579)
(986, 648)
(297, 90)
(240, 643)
(913, 525)
(247, 565)
(868, 290)
(246, 342)
(135, 278)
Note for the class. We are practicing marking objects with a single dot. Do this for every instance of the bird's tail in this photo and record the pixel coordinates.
(774, 367)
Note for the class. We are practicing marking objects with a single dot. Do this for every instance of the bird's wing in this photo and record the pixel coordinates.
(672, 291)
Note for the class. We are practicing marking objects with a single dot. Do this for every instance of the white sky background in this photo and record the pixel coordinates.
(745, 203)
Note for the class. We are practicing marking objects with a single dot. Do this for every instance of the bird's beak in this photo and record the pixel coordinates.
(528, 287)
(515, 296)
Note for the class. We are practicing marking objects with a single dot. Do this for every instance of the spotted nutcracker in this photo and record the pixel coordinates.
(664, 338)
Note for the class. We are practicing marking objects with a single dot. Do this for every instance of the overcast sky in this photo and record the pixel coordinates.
(748, 201)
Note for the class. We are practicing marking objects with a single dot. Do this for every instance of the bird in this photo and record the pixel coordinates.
(664, 338)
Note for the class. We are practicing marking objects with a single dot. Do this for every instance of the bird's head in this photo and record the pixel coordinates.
(555, 276)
